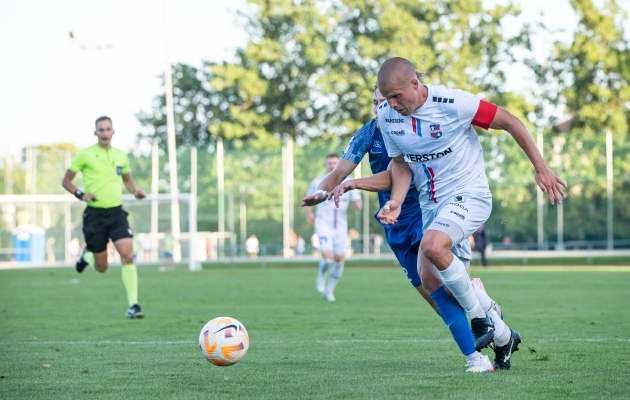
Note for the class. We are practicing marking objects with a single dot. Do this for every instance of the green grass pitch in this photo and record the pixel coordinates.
(64, 335)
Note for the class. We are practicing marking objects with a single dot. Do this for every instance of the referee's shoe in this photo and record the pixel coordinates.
(81, 263)
(135, 311)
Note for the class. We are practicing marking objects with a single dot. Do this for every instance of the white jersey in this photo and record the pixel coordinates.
(439, 143)
(327, 216)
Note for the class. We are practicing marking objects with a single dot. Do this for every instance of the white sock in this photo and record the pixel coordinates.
(333, 277)
(323, 266)
(473, 356)
(457, 281)
(502, 332)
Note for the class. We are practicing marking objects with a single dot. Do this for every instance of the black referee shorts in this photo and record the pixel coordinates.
(102, 224)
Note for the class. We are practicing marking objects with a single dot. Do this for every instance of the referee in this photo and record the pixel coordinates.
(104, 168)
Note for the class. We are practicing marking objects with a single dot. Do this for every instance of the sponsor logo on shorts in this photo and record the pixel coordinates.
(458, 214)
(458, 205)
(459, 199)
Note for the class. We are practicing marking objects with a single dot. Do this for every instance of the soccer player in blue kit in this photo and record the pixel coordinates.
(404, 237)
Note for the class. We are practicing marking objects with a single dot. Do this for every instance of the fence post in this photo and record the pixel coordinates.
(609, 187)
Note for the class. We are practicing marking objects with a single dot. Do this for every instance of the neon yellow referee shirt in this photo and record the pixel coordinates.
(102, 174)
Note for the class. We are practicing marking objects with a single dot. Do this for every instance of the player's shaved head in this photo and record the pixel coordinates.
(400, 85)
(395, 71)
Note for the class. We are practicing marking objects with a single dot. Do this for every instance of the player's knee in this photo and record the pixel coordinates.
(126, 258)
(431, 248)
(101, 267)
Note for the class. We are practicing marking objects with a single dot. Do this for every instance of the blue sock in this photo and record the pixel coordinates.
(455, 318)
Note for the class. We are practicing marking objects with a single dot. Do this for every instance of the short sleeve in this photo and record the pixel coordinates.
(78, 162)
(360, 143)
(392, 148)
(471, 110)
(126, 167)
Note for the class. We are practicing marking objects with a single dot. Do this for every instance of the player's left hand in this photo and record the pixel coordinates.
(551, 184)
(139, 194)
(341, 189)
(388, 215)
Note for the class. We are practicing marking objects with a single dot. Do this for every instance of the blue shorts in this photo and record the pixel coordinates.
(405, 242)
(168, 254)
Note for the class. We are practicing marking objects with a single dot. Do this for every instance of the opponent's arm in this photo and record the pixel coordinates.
(548, 181)
(401, 180)
(130, 184)
(375, 183)
(334, 178)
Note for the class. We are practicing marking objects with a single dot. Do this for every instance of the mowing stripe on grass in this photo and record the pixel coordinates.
(186, 342)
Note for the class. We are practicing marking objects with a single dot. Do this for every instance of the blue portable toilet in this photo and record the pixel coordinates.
(29, 244)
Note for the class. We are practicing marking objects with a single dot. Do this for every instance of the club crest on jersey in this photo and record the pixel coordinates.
(435, 131)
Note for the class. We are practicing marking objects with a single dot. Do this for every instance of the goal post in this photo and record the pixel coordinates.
(46, 229)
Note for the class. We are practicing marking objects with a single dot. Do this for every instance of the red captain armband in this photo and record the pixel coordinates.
(485, 114)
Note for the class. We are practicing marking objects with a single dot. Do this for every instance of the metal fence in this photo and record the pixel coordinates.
(247, 190)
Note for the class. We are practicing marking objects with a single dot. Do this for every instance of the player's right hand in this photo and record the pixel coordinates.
(318, 197)
(88, 197)
(388, 215)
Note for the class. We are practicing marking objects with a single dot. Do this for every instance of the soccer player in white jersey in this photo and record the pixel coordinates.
(331, 227)
(428, 132)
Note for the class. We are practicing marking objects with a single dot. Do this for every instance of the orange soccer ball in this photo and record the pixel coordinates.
(223, 341)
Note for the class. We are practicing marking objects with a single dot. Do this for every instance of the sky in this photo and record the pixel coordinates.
(53, 86)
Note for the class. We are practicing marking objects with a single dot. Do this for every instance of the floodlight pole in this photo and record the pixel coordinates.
(171, 144)
(172, 163)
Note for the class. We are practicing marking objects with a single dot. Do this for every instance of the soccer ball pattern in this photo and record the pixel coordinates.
(223, 341)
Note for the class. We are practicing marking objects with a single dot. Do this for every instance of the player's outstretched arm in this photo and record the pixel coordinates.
(546, 179)
(334, 178)
(401, 180)
(130, 184)
(375, 183)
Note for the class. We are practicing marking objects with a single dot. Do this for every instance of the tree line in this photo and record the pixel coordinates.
(308, 70)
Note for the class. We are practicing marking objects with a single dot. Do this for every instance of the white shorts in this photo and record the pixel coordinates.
(459, 217)
(334, 241)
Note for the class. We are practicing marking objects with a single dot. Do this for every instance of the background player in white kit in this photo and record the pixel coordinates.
(331, 226)
(428, 131)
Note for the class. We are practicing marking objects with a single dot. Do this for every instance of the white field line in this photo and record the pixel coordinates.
(188, 343)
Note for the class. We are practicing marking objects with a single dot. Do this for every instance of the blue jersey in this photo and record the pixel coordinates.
(368, 139)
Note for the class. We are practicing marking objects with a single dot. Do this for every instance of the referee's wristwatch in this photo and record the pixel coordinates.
(78, 194)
